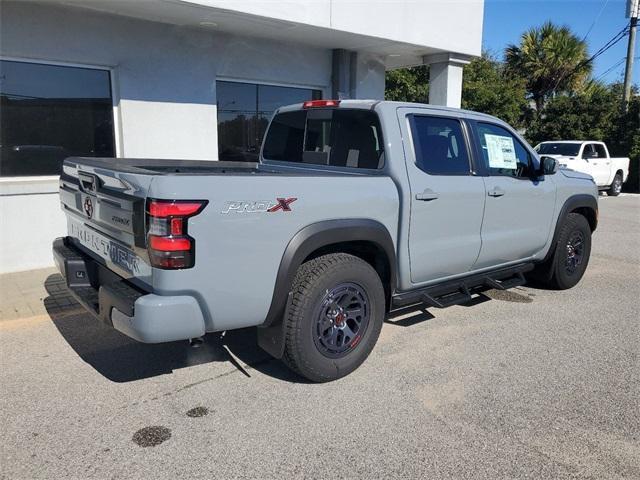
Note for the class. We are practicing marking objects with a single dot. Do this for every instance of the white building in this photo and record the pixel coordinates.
(191, 79)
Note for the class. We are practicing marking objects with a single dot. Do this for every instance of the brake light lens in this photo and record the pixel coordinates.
(176, 226)
(320, 103)
(168, 243)
(164, 209)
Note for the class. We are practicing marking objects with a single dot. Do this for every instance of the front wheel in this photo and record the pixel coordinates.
(616, 186)
(335, 317)
(572, 253)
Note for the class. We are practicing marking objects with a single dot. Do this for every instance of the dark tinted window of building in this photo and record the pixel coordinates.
(244, 111)
(338, 138)
(50, 112)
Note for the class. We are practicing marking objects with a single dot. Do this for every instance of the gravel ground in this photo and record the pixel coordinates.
(534, 384)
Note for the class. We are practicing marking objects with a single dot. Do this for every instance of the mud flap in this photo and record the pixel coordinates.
(272, 338)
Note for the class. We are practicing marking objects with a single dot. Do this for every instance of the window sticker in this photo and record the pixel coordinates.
(502, 152)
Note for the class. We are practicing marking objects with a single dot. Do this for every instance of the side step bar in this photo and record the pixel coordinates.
(515, 281)
(459, 291)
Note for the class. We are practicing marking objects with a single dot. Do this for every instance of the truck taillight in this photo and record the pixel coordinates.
(168, 242)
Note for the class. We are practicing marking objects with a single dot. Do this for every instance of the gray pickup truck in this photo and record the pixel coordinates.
(356, 208)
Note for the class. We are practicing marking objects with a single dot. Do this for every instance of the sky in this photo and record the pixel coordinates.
(599, 20)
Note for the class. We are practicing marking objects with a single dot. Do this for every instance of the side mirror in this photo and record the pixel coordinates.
(548, 165)
(588, 155)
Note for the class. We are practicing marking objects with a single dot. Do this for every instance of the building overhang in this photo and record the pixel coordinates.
(281, 26)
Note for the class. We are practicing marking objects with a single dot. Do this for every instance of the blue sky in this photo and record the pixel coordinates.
(505, 20)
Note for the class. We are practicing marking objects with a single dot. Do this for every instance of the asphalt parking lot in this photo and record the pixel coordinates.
(532, 384)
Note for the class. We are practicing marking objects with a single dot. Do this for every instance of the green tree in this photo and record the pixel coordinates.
(551, 59)
(487, 88)
(575, 117)
(595, 114)
(623, 137)
(408, 84)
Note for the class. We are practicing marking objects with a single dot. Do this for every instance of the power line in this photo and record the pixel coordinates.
(610, 69)
(614, 40)
(593, 24)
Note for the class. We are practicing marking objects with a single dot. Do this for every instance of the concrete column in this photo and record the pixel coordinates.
(445, 78)
(343, 75)
(370, 76)
(357, 75)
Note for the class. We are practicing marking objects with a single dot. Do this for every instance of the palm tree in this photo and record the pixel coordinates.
(551, 59)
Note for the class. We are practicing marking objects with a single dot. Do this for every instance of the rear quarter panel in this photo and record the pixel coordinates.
(238, 254)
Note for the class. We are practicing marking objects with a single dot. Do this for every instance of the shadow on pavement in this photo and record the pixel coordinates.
(408, 316)
(122, 359)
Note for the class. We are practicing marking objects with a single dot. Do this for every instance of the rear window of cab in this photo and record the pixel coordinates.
(334, 137)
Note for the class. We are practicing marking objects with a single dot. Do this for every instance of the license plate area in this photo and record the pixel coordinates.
(116, 256)
(78, 274)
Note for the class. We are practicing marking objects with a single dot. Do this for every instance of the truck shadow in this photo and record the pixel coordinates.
(121, 359)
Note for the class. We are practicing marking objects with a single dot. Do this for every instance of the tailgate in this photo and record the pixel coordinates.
(105, 211)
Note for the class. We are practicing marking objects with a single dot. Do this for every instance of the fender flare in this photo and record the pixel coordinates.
(572, 203)
(304, 243)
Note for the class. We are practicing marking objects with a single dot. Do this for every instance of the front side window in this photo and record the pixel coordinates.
(244, 110)
(439, 145)
(51, 112)
(334, 137)
(503, 154)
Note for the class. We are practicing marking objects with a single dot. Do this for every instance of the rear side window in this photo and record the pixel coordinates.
(599, 148)
(333, 137)
(439, 145)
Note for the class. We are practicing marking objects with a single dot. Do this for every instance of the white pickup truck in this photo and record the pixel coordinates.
(589, 157)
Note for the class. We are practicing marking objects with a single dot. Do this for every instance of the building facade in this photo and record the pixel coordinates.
(193, 79)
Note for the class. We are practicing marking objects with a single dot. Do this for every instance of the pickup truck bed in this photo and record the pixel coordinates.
(234, 236)
(150, 166)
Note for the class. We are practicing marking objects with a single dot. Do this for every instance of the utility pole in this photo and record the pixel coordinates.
(633, 11)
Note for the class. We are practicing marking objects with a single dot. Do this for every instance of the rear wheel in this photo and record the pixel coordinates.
(335, 317)
(616, 186)
(572, 253)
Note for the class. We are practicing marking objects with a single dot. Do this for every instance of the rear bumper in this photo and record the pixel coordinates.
(143, 316)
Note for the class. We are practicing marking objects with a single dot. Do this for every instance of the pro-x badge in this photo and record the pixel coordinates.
(259, 206)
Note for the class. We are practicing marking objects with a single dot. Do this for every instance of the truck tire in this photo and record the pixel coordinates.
(572, 253)
(616, 186)
(334, 318)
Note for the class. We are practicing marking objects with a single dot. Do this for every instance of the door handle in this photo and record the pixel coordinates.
(496, 192)
(427, 195)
